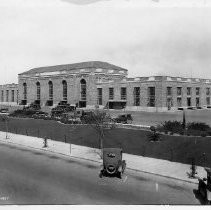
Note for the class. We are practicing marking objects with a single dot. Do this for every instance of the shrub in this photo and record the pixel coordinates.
(192, 132)
(200, 126)
(203, 134)
(193, 128)
(181, 132)
(173, 126)
(154, 136)
(23, 113)
(152, 128)
(209, 132)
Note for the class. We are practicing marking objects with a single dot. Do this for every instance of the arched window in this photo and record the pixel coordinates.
(50, 85)
(38, 90)
(83, 90)
(64, 83)
(24, 91)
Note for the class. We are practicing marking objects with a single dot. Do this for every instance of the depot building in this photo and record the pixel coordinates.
(96, 83)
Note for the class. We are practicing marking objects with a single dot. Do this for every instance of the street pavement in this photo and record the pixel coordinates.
(156, 118)
(32, 176)
(159, 167)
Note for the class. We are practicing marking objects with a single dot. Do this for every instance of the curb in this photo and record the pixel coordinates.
(96, 161)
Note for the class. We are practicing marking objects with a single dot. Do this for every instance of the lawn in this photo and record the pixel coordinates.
(173, 148)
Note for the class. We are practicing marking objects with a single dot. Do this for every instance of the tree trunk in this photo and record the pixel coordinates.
(101, 143)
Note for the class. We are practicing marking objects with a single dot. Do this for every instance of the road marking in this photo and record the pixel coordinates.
(156, 187)
(125, 179)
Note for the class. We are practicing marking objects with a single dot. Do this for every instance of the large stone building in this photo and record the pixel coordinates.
(9, 94)
(88, 84)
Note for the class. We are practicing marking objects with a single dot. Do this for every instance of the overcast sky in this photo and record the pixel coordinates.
(145, 36)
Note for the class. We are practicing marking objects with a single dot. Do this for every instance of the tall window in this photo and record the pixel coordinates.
(50, 85)
(13, 96)
(24, 91)
(197, 102)
(188, 101)
(169, 91)
(123, 93)
(136, 96)
(208, 100)
(7, 95)
(111, 93)
(83, 90)
(207, 91)
(2, 95)
(64, 83)
(179, 91)
(100, 96)
(38, 90)
(17, 96)
(151, 96)
(197, 91)
(179, 101)
(188, 91)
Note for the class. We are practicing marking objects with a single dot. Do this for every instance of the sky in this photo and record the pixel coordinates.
(147, 37)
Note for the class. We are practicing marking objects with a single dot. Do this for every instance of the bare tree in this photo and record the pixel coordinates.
(100, 120)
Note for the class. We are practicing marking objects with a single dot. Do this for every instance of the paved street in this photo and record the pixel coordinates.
(155, 118)
(35, 177)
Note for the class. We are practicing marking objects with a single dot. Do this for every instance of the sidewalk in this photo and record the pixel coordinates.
(138, 163)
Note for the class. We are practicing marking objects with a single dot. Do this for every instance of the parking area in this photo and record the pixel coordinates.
(154, 118)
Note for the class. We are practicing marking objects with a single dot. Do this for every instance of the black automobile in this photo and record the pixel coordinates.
(204, 187)
(40, 115)
(4, 110)
(113, 165)
(124, 118)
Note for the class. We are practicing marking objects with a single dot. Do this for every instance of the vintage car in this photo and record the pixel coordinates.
(4, 110)
(40, 115)
(113, 165)
(123, 118)
(204, 187)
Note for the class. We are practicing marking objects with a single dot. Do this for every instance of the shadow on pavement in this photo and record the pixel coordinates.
(37, 153)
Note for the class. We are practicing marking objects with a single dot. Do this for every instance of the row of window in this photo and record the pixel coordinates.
(188, 102)
(7, 96)
(50, 87)
(189, 91)
(123, 95)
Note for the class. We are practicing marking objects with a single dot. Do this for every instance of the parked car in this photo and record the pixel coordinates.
(62, 108)
(40, 115)
(113, 165)
(204, 186)
(4, 110)
(124, 118)
(32, 106)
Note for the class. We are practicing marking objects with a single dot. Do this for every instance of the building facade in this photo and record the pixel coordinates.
(9, 94)
(91, 84)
